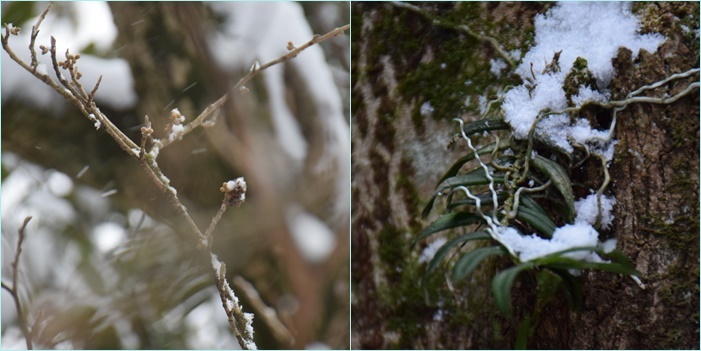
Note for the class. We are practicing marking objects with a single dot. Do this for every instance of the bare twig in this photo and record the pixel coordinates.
(22, 320)
(94, 90)
(240, 322)
(234, 195)
(255, 69)
(35, 33)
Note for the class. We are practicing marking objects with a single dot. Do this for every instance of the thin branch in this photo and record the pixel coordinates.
(35, 33)
(234, 195)
(94, 90)
(240, 322)
(13, 290)
(255, 69)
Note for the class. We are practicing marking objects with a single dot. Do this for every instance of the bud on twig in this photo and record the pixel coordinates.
(234, 191)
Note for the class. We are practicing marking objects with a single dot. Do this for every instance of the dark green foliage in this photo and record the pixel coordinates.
(538, 178)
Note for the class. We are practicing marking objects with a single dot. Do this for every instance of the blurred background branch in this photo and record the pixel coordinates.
(120, 279)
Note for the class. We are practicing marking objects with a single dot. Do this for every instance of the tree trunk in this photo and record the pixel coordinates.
(411, 77)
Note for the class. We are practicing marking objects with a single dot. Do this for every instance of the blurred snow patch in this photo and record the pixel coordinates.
(426, 109)
(12, 337)
(92, 23)
(107, 236)
(317, 345)
(313, 238)
(59, 183)
(260, 31)
(430, 250)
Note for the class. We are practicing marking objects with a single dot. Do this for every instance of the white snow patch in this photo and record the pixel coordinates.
(107, 236)
(314, 239)
(530, 247)
(592, 30)
(609, 245)
(587, 210)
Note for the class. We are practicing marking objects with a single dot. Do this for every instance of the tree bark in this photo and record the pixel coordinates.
(400, 61)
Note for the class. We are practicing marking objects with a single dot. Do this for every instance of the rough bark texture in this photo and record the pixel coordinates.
(400, 61)
(656, 184)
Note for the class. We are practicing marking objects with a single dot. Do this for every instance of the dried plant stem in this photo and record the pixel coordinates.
(23, 325)
(213, 223)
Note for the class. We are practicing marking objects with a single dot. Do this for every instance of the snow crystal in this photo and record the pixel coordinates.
(591, 30)
(587, 210)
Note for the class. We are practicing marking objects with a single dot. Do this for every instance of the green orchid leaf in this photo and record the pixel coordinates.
(572, 287)
(536, 217)
(443, 250)
(484, 125)
(485, 199)
(560, 179)
(569, 263)
(524, 331)
(475, 177)
(618, 257)
(606, 267)
(449, 221)
(469, 261)
(615, 256)
(501, 286)
(455, 168)
(429, 206)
